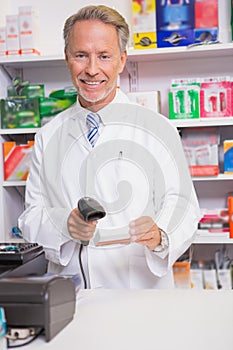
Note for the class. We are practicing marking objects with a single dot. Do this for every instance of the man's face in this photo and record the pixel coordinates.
(94, 59)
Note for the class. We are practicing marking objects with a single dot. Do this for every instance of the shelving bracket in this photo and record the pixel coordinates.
(17, 72)
(132, 69)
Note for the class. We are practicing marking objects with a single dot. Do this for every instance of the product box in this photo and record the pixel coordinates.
(225, 281)
(201, 150)
(16, 160)
(28, 30)
(28, 91)
(20, 113)
(3, 330)
(216, 97)
(205, 35)
(210, 279)
(215, 221)
(174, 38)
(206, 13)
(144, 24)
(184, 100)
(196, 277)
(12, 35)
(181, 273)
(228, 156)
(148, 99)
(174, 14)
(2, 41)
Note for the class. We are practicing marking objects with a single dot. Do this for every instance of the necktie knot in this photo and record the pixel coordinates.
(93, 121)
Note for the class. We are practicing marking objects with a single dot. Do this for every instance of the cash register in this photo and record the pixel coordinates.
(22, 259)
(33, 300)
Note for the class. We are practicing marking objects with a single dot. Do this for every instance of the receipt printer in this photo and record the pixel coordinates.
(45, 303)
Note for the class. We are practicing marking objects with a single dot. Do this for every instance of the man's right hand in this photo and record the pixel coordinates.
(78, 228)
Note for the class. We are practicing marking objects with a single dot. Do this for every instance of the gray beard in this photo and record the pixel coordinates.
(97, 99)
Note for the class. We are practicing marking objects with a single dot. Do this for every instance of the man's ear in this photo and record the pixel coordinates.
(123, 61)
(66, 56)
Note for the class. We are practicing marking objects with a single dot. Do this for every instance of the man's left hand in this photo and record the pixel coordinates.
(145, 231)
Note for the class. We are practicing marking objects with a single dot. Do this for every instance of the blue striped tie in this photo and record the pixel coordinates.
(93, 121)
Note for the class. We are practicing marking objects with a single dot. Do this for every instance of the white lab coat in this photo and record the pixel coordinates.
(64, 168)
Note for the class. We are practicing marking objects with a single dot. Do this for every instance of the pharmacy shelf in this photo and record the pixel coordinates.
(22, 131)
(220, 177)
(18, 183)
(32, 61)
(158, 54)
(182, 52)
(202, 122)
(204, 237)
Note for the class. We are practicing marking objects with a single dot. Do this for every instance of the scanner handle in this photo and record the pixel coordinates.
(90, 210)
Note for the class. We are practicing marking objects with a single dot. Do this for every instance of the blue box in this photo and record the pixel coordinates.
(169, 38)
(3, 329)
(175, 14)
(228, 156)
(205, 35)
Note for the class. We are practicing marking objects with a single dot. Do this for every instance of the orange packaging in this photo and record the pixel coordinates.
(181, 273)
(16, 160)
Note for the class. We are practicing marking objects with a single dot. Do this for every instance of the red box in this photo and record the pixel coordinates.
(206, 13)
(216, 98)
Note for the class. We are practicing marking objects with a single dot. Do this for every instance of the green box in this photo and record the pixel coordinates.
(28, 91)
(20, 113)
(184, 101)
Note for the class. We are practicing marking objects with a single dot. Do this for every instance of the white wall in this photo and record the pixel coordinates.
(52, 15)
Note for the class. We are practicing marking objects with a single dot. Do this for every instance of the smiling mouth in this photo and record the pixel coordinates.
(92, 83)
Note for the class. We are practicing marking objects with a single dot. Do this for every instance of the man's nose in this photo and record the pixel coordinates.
(92, 67)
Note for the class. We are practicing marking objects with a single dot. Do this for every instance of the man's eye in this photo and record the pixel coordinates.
(105, 57)
(79, 55)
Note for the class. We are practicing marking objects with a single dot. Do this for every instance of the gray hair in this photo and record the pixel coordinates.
(104, 14)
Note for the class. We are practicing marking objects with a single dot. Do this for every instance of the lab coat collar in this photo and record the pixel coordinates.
(78, 117)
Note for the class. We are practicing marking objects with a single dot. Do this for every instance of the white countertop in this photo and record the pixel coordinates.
(147, 320)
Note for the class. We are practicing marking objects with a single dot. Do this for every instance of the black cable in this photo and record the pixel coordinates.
(81, 266)
(26, 343)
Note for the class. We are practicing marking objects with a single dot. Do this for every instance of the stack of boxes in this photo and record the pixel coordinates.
(27, 107)
(203, 98)
(20, 36)
(171, 23)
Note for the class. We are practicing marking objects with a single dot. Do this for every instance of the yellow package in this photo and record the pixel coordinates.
(144, 24)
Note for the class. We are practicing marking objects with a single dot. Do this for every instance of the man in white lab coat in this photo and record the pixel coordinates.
(135, 167)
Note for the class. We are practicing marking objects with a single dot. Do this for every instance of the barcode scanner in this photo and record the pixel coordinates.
(90, 210)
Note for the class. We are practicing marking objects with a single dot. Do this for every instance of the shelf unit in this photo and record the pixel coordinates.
(162, 65)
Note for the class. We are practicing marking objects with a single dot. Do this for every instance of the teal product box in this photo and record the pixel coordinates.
(174, 38)
(174, 14)
(3, 330)
(20, 113)
(184, 101)
(205, 35)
